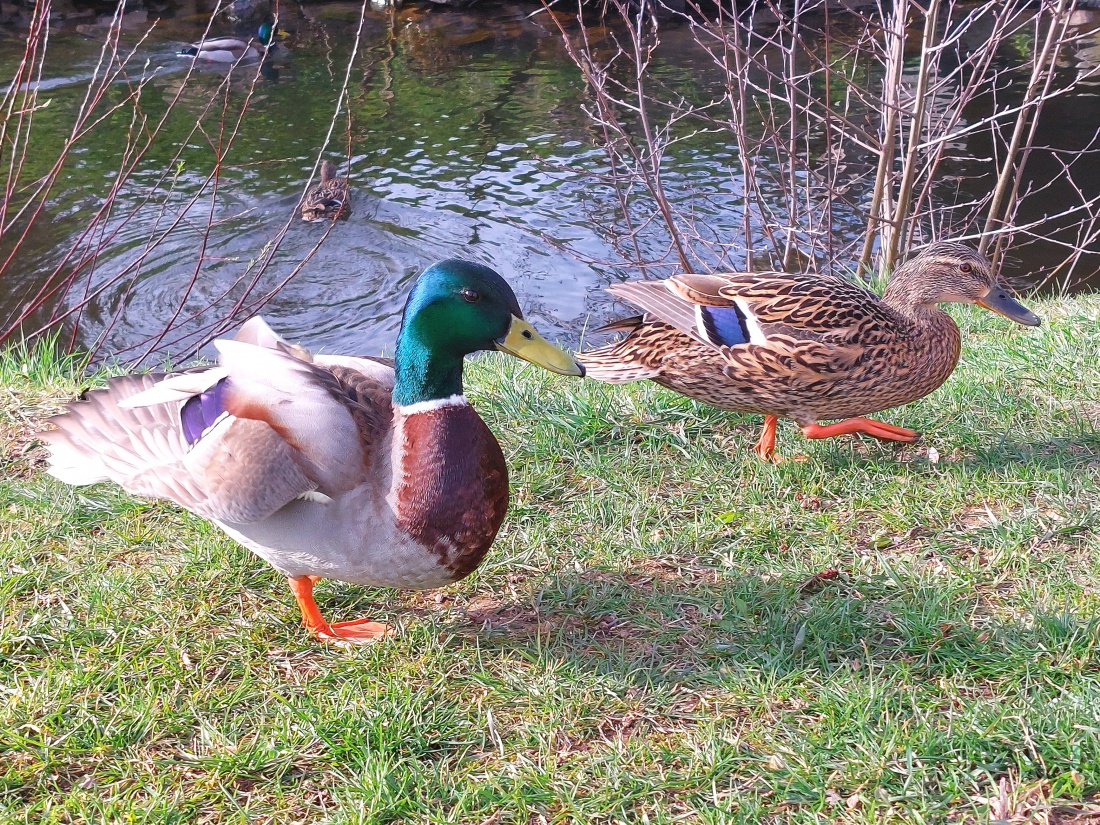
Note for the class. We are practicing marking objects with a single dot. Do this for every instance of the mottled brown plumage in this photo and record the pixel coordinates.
(803, 346)
(328, 200)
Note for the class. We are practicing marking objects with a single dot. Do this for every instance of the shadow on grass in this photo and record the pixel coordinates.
(1080, 450)
(1077, 451)
(675, 629)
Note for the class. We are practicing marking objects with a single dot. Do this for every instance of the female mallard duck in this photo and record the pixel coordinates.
(231, 49)
(325, 466)
(328, 200)
(801, 346)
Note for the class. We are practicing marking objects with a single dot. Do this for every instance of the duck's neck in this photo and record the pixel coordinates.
(910, 295)
(931, 330)
(449, 483)
(914, 308)
(424, 373)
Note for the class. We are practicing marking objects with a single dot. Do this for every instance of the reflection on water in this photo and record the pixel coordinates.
(467, 139)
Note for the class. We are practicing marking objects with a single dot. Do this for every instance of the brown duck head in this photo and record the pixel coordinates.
(948, 272)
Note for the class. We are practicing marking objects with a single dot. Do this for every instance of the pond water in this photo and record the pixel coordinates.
(467, 138)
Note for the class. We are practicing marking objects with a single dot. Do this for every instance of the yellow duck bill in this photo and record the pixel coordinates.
(523, 342)
(999, 301)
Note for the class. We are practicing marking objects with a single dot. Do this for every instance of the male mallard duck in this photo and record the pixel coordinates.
(325, 466)
(328, 200)
(801, 346)
(231, 49)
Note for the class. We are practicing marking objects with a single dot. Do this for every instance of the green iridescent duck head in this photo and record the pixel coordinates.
(457, 308)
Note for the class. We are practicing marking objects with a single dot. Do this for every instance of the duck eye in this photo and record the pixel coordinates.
(966, 268)
(470, 296)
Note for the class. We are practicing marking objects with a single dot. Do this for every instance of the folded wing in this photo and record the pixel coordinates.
(776, 322)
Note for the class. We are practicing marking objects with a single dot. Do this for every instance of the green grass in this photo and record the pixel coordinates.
(638, 646)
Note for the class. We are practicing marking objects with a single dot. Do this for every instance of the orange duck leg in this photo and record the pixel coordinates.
(357, 631)
(765, 447)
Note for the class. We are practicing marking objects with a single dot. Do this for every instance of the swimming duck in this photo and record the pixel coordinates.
(329, 199)
(349, 468)
(231, 49)
(803, 346)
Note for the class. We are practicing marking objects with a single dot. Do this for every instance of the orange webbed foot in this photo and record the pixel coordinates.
(356, 631)
(867, 426)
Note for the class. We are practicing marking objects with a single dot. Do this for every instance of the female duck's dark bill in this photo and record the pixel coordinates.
(999, 301)
(523, 342)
